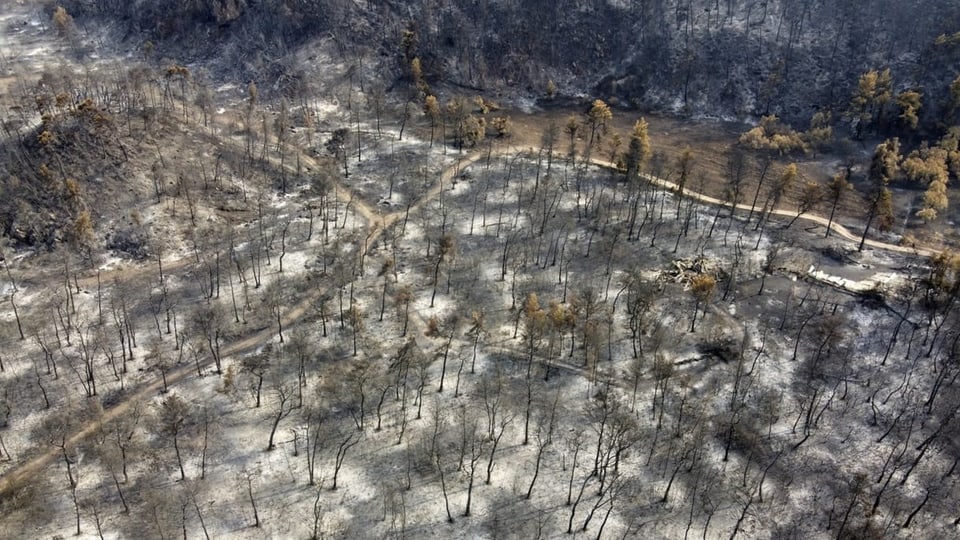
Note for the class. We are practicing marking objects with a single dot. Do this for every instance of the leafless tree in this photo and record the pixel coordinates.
(284, 393)
(546, 425)
(345, 438)
(172, 417)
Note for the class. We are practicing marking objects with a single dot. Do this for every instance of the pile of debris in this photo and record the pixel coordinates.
(684, 270)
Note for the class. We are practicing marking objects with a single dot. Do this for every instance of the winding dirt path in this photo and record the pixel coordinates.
(834, 227)
(20, 474)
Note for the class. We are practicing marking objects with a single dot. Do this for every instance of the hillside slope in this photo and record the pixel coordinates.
(730, 58)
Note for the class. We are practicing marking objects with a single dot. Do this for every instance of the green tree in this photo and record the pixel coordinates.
(821, 132)
(638, 149)
(838, 187)
(951, 143)
(884, 166)
(810, 196)
(928, 167)
(456, 112)
(954, 105)
(909, 102)
(172, 416)
(772, 135)
(614, 145)
(598, 117)
(83, 236)
(551, 89)
(409, 42)
(472, 131)
(786, 181)
(416, 73)
(702, 287)
(431, 108)
(503, 126)
(874, 91)
(638, 154)
(63, 21)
